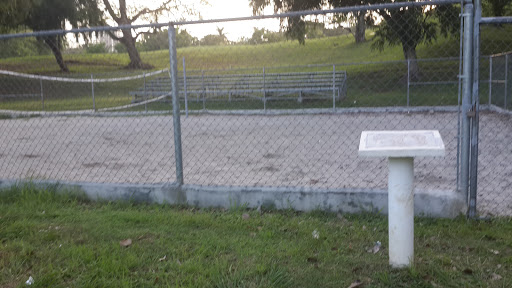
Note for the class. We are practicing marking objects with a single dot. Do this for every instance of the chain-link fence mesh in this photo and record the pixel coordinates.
(495, 133)
(263, 110)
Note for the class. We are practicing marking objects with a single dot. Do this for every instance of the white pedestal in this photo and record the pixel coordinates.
(401, 211)
(400, 147)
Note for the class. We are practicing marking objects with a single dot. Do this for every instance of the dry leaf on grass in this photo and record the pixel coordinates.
(162, 259)
(126, 242)
(357, 283)
(495, 276)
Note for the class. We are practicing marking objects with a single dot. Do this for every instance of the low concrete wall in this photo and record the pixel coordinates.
(432, 203)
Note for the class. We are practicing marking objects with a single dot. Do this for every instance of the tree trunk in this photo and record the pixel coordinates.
(360, 27)
(53, 43)
(410, 56)
(129, 42)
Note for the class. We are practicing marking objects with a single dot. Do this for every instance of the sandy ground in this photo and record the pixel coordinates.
(295, 150)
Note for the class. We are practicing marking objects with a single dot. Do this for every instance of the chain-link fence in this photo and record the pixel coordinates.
(495, 134)
(265, 110)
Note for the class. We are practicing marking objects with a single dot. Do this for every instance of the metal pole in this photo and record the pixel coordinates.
(145, 95)
(506, 82)
(333, 88)
(408, 79)
(175, 103)
(204, 90)
(185, 87)
(476, 109)
(466, 97)
(92, 89)
(490, 80)
(264, 92)
(42, 95)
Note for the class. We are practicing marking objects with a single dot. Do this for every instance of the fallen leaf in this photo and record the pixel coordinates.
(162, 259)
(467, 271)
(356, 283)
(495, 277)
(375, 248)
(30, 281)
(245, 216)
(126, 242)
(178, 261)
(364, 227)
(495, 252)
(316, 234)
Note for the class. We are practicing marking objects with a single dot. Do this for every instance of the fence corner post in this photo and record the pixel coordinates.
(173, 59)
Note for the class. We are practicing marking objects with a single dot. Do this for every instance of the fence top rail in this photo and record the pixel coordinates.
(394, 5)
(496, 20)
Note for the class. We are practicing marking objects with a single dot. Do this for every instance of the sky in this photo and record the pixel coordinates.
(219, 9)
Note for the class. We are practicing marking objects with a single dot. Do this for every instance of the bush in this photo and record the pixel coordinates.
(96, 48)
(120, 48)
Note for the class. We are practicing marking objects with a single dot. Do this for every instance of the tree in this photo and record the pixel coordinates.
(40, 15)
(124, 15)
(296, 28)
(408, 27)
(214, 40)
(497, 8)
(13, 13)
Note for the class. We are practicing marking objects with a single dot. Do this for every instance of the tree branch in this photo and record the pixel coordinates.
(146, 11)
(111, 11)
(113, 36)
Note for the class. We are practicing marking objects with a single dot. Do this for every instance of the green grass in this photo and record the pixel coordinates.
(63, 240)
(373, 84)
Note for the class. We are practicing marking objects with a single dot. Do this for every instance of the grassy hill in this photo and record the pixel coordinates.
(375, 78)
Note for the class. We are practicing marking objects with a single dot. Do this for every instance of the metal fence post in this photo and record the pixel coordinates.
(466, 97)
(173, 59)
(264, 92)
(185, 87)
(408, 79)
(506, 82)
(92, 91)
(42, 95)
(333, 88)
(145, 95)
(473, 172)
(490, 80)
(204, 90)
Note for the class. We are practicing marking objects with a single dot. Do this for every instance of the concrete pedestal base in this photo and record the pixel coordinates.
(401, 211)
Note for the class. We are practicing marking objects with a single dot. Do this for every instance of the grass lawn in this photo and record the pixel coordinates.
(63, 240)
(374, 82)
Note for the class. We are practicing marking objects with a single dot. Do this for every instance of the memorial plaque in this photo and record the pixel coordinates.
(412, 143)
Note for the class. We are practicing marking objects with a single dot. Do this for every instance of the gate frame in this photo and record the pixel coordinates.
(473, 114)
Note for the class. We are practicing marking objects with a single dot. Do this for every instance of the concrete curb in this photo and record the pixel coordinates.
(429, 203)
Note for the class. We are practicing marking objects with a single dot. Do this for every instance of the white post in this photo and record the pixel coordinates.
(400, 148)
(401, 211)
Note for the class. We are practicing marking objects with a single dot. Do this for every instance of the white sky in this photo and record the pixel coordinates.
(218, 9)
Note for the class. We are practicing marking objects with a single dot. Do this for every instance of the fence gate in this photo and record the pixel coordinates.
(490, 181)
